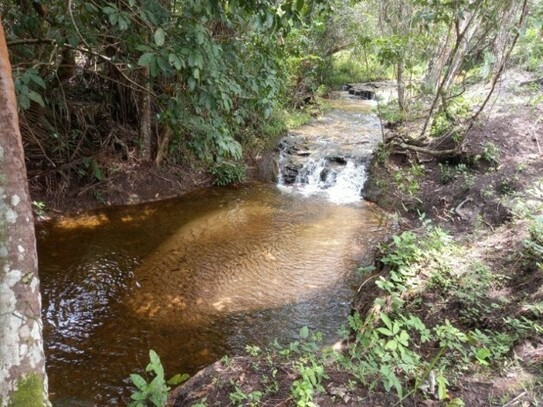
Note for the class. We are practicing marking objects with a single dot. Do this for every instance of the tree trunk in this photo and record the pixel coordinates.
(145, 120)
(400, 85)
(23, 381)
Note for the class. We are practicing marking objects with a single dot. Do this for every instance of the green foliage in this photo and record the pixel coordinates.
(39, 208)
(529, 51)
(303, 389)
(215, 70)
(227, 173)
(298, 118)
(445, 121)
(533, 246)
(448, 173)
(154, 392)
(491, 153)
(408, 180)
(26, 84)
(390, 113)
(348, 67)
(240, 398)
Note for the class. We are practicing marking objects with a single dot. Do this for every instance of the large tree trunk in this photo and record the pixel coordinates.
(23, 381)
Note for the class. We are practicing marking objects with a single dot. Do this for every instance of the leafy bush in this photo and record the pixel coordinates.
(227, 173)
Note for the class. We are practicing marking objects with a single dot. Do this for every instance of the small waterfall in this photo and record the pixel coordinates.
(329, 156)
(338, 183)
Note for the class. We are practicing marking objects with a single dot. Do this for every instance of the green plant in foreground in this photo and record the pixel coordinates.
(309, 383)
(533, 246)
(39, 208)
(240, 398)
(154, 392)
(408, 180)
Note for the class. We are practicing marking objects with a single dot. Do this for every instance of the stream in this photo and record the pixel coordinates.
(204, 275)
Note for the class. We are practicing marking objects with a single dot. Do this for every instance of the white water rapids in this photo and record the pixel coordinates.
(342, 185)
(328, 157)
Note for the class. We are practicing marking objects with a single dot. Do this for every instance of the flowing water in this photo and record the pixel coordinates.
(194, 279)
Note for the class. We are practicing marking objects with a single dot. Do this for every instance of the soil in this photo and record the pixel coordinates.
(129, 183)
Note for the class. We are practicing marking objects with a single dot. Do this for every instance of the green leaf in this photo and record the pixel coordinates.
(139, 396)
(482, 355)
(299, 5)
(160, 37)
(200, 38)
(385, 331)
(113, 18)
(442, 387)
(145, 59)
(304, 332)
(192, 84)
(109, 10)
(177, 379)
(36, 97)
(403, 338)
(392, 345)
(37, 80)
(387, 321)
(144, 48)
(155, 364)
(123, 22)
(91, 8)
(175, 61)
(138, 381)
(196, 59)
(196, 73)
(163, 64)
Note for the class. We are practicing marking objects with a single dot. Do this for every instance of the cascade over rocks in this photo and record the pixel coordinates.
(331, 154)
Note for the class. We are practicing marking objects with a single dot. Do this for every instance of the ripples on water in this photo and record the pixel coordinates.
(194, 279)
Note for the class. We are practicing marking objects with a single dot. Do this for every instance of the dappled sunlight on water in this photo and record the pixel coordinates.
(202, 276)
(195, 279)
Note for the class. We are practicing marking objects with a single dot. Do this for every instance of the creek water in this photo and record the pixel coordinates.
(193, 278)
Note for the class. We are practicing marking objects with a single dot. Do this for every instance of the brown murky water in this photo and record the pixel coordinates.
(194, 279)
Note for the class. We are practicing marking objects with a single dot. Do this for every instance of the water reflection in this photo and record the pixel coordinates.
(193, 279)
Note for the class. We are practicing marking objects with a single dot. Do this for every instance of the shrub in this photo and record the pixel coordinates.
(227, 173)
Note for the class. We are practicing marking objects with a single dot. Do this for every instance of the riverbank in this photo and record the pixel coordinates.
(486, 282)
(131, 181)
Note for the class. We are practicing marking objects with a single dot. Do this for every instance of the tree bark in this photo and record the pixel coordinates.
(23, 381)
(145, 120)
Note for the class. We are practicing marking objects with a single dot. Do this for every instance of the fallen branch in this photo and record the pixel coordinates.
(434, 153)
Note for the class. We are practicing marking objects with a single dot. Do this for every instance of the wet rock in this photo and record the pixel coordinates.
(362, 91)
(338, 159)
